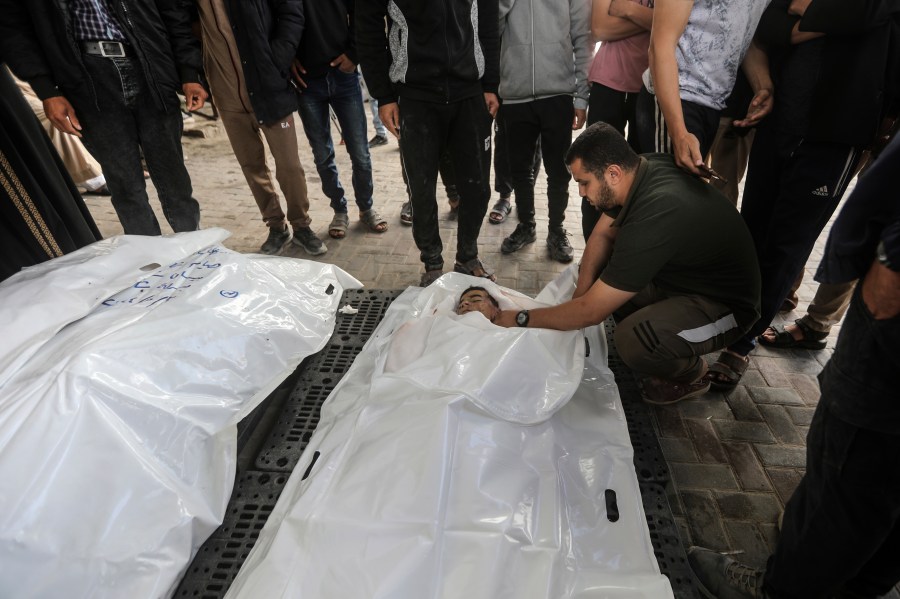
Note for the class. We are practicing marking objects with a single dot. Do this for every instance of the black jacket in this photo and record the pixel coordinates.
(858, 67)
(434, 54)
(267, 33)
(328, 34)
(37, 45)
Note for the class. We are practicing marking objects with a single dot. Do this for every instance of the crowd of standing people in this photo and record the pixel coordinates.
(682, 98)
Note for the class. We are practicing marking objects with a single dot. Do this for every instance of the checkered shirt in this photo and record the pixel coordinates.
(94, 20)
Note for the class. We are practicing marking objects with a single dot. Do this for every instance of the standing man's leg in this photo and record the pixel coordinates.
(346, 100)
(314, 113)
(469, 144)
(245, 137)
(160, 137)
(556, 115)
(522, 127)
(110, 132)
(282, 140)
(424, 129)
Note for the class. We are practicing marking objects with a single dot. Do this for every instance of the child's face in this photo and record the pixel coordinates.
(477, 300)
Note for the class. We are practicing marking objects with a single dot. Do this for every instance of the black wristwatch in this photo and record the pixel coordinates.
(522, 318)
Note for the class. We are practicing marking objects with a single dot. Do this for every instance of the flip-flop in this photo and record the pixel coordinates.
(500, 211)
(338, 227)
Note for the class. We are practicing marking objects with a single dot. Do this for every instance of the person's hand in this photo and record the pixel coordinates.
(580, 117)
(344, 64)
(761, 105)
(506, 318)
(62, 115)
(297, 70)
(194, 96)
(880, 291)
(619, 8)
(687, 153)
(492, 103)
(798, 7)
(390, 116)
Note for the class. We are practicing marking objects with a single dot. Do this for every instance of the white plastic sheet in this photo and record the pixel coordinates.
(438, 477)
(127, 366)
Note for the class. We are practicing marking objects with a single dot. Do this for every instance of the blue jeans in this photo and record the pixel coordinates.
(118, 124)
(340, 91)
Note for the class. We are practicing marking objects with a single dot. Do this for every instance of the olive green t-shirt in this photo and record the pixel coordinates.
(686, 238)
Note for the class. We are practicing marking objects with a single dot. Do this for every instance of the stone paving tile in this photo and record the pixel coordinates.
(730, 430)
(669, 422)
(706, 441)
(781, 425)
(704, 521)
(800, 416)
(704, 476)
(749, 471)
(708, 406)
(678, 450)
(775, 395)
(782, 455)
(772, 371)
(785, 481)
(742, 405)
(807, 387)
(764, 507)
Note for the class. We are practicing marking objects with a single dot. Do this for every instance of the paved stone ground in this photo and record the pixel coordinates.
(735, 458)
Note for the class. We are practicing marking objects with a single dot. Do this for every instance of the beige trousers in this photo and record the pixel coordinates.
(77, 160)
(246, 137)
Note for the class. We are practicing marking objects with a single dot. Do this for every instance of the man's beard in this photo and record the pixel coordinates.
(607, 200)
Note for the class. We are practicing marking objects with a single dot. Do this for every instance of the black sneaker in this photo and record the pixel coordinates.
(276, 240)
(378, 140)
(722, 577)
(523, 235)
(559, 246)
(305, 238)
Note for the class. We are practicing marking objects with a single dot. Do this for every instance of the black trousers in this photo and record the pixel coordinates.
(463, 130)
(841, 529)
(122, 122)
(653, 134)
(617, 109)
(550, 121)
(502, 179)
(793, 187)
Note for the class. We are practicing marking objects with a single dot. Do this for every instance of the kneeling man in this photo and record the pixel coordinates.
(670, 258)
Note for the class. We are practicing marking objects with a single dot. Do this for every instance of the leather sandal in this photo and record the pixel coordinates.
(726, 372)
(500, 211)
(338, 227)
(373, 220)
(784, 340)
